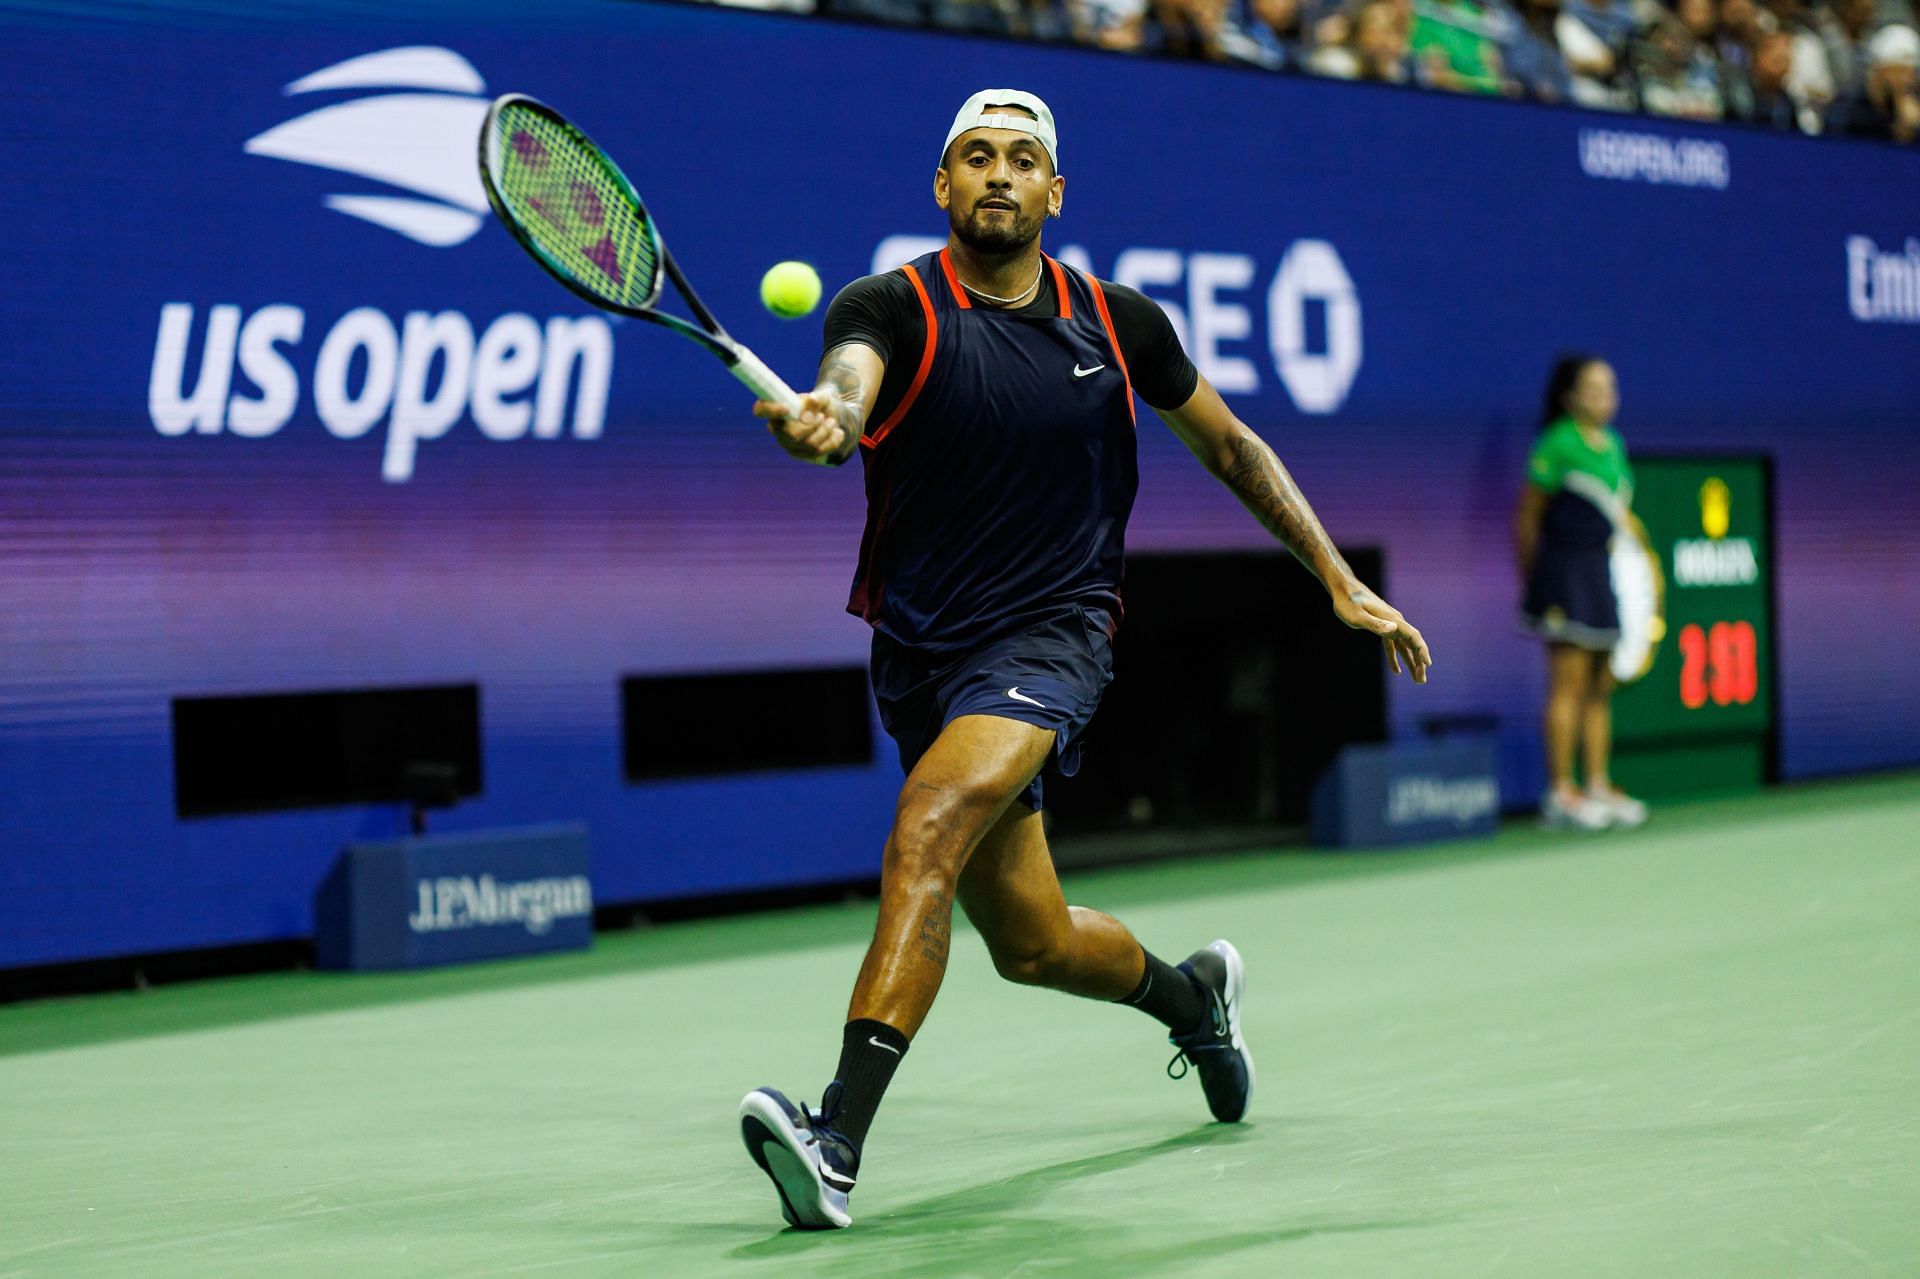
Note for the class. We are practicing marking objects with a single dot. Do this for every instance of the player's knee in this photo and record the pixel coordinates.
(940, 823)
(1044, 966)
(923, 854)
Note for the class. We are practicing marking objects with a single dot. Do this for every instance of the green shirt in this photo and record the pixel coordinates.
(1563, 450)
(1458, 29)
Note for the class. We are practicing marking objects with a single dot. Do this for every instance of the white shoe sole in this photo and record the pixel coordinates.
(1624, 817)
(1236, 986)
(1576, 826)
(1556, 818)
(781, 1151)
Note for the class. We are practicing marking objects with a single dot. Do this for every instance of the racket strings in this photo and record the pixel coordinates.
(564, 197)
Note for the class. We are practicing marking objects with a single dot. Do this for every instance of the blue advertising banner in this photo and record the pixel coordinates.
(285, 411)
(1378, 796)
(452, 899)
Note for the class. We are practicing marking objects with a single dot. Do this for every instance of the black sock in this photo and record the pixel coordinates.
(1169, 996)
(870, 1051)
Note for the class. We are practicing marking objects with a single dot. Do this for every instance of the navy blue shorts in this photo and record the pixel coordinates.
(1048, 673)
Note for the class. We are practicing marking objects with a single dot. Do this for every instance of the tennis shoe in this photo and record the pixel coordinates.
(811, 1165)
(1581, 812)
(1623, 808)
(1215, 1048)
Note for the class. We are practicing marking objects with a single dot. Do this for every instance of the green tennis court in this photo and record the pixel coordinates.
(1692, 1050)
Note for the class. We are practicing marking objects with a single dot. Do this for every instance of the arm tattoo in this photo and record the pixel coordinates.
(936, 928)
(840, 375)
(845, 381)
(1263, 486)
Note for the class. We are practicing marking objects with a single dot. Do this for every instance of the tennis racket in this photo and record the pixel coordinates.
(572, 208)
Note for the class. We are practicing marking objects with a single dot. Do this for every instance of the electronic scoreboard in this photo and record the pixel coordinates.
(1695, 711)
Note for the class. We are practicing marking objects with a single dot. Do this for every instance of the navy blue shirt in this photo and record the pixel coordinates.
(1000, 454)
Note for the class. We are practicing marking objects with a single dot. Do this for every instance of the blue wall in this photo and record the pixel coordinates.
(1378, 277)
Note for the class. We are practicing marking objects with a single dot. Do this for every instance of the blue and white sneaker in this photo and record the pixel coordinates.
(1216, 1048)
(812, 1166)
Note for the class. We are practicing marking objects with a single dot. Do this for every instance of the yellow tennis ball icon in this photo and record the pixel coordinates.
(790, 289)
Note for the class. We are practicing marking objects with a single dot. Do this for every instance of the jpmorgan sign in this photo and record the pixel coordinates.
(1419, 798)
(451, 902)
(448, 899)
(1378, 795)
(1314, 330)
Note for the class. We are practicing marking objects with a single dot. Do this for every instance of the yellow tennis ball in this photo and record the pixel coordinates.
(790, 289)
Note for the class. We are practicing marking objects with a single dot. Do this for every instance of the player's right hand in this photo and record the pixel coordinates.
(1406, 647)
(814, 434)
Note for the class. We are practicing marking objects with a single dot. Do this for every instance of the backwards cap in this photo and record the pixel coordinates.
(975, 115)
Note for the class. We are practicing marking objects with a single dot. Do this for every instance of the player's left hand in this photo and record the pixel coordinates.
(1361, 609)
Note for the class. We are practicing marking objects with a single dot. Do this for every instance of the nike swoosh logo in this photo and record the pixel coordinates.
(877, 1044)
(1019, 696)
(1080, 372)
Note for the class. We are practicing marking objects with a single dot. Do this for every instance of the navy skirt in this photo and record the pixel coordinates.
(1570, 598)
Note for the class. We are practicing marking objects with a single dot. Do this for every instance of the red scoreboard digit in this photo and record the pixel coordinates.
(1721, 662)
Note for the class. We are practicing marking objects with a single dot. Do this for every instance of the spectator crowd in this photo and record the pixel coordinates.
(1847, 67)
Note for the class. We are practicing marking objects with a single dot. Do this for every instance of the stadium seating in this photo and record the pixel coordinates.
(1843, 67)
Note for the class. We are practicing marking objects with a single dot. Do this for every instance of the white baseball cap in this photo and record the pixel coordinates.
(975, 115)
(1894, 46)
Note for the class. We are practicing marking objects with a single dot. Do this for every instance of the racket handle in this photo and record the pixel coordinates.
(763, 381)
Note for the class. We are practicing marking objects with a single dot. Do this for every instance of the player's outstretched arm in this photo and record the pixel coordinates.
(1241, 460)
(826, 430)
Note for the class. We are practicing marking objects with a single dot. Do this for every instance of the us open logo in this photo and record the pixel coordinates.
(395, 138)
(420, 374)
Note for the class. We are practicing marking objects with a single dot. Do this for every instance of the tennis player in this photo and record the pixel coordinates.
(989, 391)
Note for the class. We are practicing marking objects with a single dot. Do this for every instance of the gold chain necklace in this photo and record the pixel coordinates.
(1016, 298)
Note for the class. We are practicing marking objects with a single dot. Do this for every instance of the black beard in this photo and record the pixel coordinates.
(986, 237)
